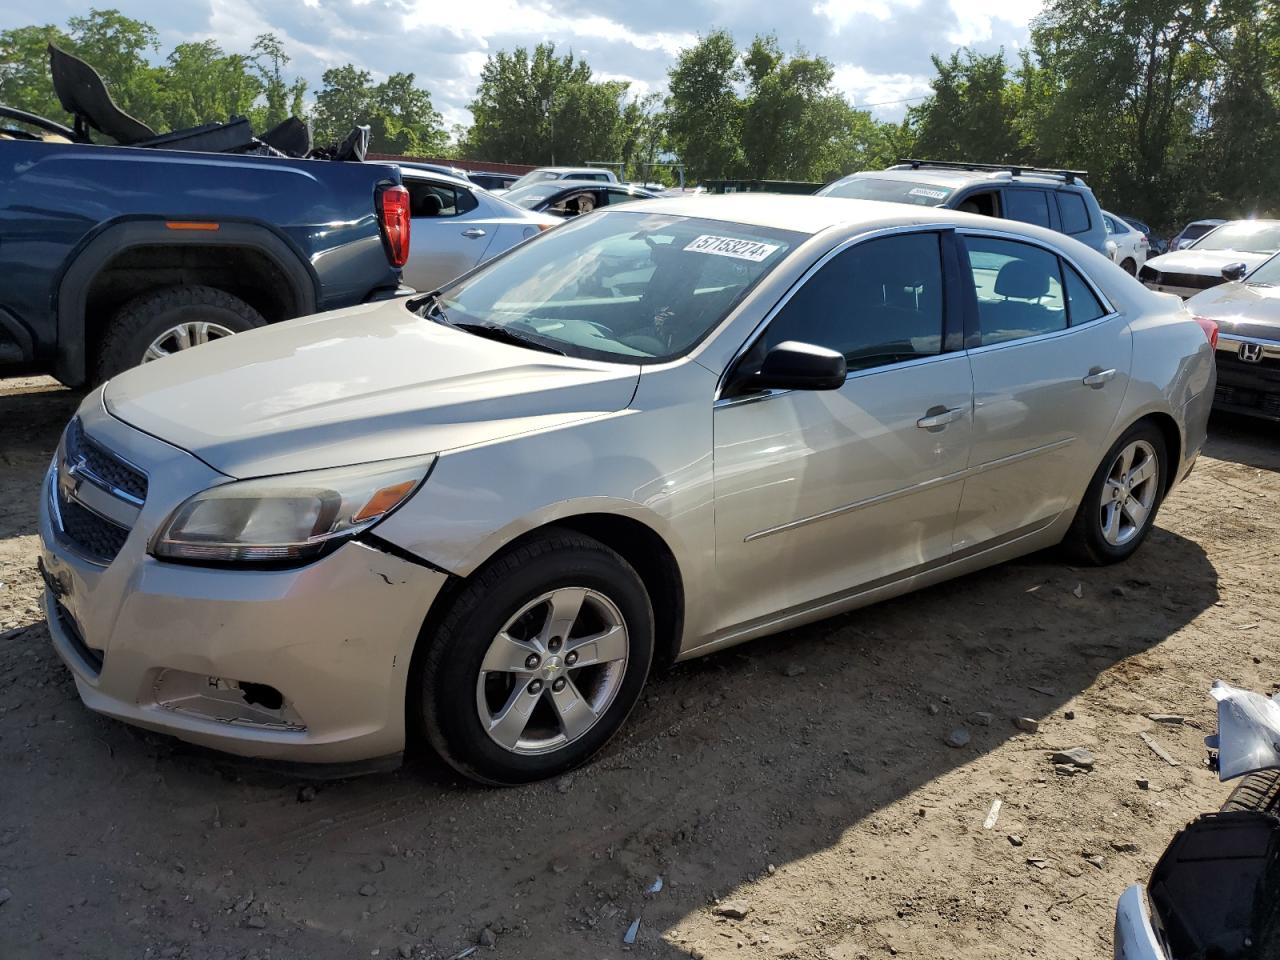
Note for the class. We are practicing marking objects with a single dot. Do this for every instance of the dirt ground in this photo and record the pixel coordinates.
(805, 775)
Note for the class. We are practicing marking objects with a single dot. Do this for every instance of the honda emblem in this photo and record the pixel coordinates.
(1250, 352)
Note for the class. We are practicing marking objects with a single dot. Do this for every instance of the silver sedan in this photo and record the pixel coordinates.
(482, 518)
(455, 225)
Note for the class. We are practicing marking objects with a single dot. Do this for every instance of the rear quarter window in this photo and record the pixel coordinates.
(1075, 214)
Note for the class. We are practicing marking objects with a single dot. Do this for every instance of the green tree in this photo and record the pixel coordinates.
(972, 113)
(24, 70)
(704, 110)
(282, 98)
(119, 48)
(399, 114)
(537, 107)
(202, 84)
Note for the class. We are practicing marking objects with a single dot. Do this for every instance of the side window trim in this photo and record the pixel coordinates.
(946, 231)
(972, 330)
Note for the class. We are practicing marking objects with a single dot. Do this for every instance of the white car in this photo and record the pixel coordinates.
(544, 174)
(1225, 253)
(1125, 245)
(455, 226)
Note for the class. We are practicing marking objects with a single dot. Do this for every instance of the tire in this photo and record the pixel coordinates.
(456, 701)
(1090, 540)
(142, 323)
(1259, 792)
(1129, 267)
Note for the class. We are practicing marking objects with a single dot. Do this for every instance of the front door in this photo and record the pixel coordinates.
(448, 234)
(1050, 367)
(817, 493)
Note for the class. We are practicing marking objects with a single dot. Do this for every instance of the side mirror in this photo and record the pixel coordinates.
(798, 366)
(1235, 271)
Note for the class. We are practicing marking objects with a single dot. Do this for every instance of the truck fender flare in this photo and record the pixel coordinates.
(72, 361)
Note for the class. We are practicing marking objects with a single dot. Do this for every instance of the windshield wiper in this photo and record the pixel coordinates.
(504, 335)
(431, 304)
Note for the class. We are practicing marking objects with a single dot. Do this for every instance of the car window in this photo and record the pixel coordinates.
(1083, 304)
(1019, 289)
(1246, 236)
(896, 191)
(575, 204)
(878, 302)
(1075, 213)
(1029, 206)
(1109, 224)
(427, 199)
(621, 285)
(619, 196)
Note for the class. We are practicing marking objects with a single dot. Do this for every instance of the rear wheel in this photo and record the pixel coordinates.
(1119, 507)
(168, 320)
(538, 661)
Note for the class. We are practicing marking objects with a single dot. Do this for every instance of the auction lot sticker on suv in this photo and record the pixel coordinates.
(752, 250)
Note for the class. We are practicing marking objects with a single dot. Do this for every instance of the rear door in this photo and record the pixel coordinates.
(1050, 361)
(448, 235)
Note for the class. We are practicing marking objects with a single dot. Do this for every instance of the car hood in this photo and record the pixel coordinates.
(368, 383)
(1242, 308)
(1206, 263)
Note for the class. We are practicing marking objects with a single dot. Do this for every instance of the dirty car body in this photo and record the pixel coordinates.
(644, 436)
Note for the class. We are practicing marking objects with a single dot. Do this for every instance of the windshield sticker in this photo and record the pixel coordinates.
(752, 250)
(926, 192)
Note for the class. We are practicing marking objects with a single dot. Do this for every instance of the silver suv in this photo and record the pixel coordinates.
(1057, 199)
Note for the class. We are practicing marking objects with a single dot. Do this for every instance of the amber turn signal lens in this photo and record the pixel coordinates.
(383, 500)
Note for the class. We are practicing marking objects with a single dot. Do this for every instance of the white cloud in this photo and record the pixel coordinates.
(482, 22)
(882, 93)
(975, 18)
(843, 12)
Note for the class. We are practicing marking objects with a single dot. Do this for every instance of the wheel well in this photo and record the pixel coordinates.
(1168, 428)
(244, 272)
(653, 560)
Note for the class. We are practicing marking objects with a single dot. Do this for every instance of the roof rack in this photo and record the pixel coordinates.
(1016, 169)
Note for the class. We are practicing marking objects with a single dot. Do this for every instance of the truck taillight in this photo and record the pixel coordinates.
(393, 214)
(1210, 329)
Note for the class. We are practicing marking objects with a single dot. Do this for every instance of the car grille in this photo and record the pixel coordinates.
(1192, 281)
(1239, 398)
(94, 658)
(102, 464)
(85, 463)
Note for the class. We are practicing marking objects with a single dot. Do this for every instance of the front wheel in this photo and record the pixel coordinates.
(538, 661)
(1119, 507)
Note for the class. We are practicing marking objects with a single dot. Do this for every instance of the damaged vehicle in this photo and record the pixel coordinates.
(481, 517)
(1215, 893)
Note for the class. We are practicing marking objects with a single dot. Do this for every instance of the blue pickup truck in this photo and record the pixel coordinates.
(111, 255)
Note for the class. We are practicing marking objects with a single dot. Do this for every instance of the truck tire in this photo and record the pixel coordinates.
(1259, 792)
(168, 319)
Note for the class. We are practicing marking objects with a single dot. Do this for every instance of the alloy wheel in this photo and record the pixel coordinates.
(1129, 493)
(552, 671)
(183, 337)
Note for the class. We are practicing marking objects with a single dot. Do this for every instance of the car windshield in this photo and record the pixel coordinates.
(897, 191)
(1267, 275)
(624, 286)
(535, 176)
(1247, 236)
(1196, 230)
(531, 195)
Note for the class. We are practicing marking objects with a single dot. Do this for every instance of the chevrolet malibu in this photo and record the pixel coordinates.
(482, 517)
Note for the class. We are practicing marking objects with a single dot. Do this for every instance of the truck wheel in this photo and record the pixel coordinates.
(1259, 792)
(170, 319)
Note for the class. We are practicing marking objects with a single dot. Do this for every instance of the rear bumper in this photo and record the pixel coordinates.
(1135, 938)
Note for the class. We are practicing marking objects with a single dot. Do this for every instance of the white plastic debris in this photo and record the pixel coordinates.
(993, 815)
(630, 935)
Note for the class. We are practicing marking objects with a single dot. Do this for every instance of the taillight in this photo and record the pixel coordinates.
(393, 216)
(1210, 329)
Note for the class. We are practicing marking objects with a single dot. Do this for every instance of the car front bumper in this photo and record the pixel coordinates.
(1250, 387)
(308, 664)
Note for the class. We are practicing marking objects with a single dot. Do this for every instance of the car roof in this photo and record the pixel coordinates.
(418, 173)
(813, 214)
(570, 170)
(593, 185)
(1205, 223)
(943, 177)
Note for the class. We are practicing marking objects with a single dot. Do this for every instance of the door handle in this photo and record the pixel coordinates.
(473, 232)
(1098, 378)
(936, 418)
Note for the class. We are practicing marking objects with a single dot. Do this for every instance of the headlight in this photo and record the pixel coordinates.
(297, 516)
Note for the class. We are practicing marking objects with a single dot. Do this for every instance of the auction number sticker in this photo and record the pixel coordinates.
(752, 250)
(926, 192)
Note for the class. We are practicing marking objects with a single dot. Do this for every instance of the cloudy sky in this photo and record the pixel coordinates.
(880, 48)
